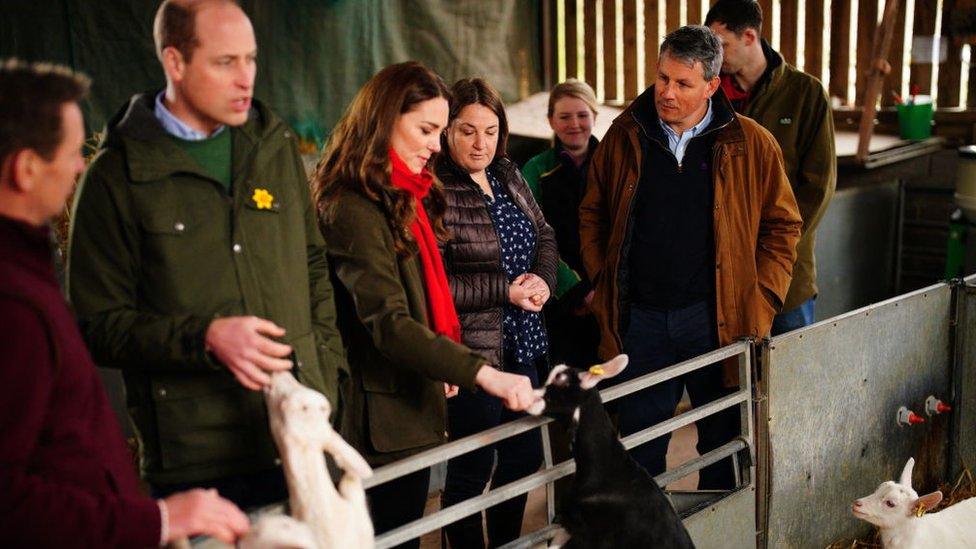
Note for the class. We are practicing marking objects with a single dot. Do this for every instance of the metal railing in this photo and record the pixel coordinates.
(552, 472)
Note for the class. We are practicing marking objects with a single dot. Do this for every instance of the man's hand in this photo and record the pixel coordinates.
(515, 391)
(240, 344)
(450, 391)
(203, 512)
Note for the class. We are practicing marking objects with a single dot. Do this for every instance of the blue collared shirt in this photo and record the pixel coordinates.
(677, 144)
(178, 128)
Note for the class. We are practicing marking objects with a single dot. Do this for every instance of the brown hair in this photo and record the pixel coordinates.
(31, 99)
(572, 88)
(475, 91)
(357, 156)
(175, 25)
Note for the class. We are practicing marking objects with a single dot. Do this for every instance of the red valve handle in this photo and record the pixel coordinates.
(942, 407)
(914, 418)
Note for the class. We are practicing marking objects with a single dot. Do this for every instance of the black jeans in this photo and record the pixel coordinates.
(395, 503)
(659, 338)
(246, 491)
(467, 475)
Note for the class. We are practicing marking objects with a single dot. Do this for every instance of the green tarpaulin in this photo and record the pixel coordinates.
(313, 55)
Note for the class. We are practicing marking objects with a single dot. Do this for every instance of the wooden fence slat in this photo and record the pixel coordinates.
(921, 70)
(892, 82)
(767, 10)
(651, 41)
(787, 30)
(609, 51)
(695, 15)
(630, 49)
(673, 20)
(589, 28)
(867, 22)
(950, 74)
(813, 37)
(571, 39)
(840, 20)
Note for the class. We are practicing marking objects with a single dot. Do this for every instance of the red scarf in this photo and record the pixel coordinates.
(440, 302)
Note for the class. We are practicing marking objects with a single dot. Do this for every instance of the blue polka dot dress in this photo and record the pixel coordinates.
(523, 332)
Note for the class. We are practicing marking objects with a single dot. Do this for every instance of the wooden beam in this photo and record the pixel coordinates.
(867, 24)
(767, 10)
(630, 49)
(572, 63)
(609, 50)
(921, 70)
(589, 28)
(878, 67)
(840, 21)
(896, 56)
(787, 30)
(652, 41)
(814, 36)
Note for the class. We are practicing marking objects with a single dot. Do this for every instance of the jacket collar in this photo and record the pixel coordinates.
(27, 245)
(775, 68)
(563, 157)
(643, 114)
(151, 154)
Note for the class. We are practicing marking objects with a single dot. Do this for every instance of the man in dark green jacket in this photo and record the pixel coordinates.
(196, 265)
(793, 106)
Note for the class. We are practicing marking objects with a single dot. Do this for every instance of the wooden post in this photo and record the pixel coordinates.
(879, 67)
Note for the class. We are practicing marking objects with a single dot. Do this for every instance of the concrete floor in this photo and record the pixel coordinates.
(681, 449)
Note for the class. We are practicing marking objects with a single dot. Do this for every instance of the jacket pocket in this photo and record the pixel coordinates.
(204, 419)
(379, 379)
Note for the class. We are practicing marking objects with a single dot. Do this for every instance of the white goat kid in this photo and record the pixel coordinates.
(898, 511)
(299, 420)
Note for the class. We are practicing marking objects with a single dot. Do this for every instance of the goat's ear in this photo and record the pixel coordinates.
(930, 500)
(597, 373)
(906, 473)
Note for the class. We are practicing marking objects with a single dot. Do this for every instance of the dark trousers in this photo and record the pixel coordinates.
(573, 340)
(246, 491)
(467, 475)
(395, 503)
(659, 338)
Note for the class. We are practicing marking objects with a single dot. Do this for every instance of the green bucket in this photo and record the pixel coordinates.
(915, 121)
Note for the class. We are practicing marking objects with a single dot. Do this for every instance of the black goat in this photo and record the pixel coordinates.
(613, 502)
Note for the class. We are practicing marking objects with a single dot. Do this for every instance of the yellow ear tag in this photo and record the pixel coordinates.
(920, 510)
(596, 370)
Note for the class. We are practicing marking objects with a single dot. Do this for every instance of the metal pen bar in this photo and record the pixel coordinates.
(671, 372)
(477, 504)
(680, 420)
(453, 449)
(532, 538)
(444, 517)
(479, 440)
(728, 449)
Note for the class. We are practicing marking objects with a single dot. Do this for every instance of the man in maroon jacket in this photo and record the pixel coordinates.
(66, 478)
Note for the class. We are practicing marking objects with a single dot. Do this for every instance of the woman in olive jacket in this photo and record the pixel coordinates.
(501, 264)
(381, 215)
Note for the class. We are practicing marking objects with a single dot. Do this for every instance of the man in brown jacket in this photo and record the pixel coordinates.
(688, 229)
(793, 106)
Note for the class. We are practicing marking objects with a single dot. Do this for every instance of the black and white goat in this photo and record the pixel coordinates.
(613, 501)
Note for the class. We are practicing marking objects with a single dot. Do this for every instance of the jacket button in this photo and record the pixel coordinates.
(237, 248)
(718, 265)
(287, 134)
(721, 324)
(179, 227)
(299, 364)
(162, 392)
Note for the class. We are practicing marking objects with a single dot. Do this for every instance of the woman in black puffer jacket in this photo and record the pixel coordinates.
(501, 265)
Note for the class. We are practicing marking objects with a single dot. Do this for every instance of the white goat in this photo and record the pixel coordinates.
(299, 420)
(898, 511)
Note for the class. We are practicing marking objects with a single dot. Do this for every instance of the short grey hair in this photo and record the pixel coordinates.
(693, 43)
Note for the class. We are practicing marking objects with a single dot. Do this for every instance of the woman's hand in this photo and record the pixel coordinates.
(529, 292)
(450, 390)
(515, 391)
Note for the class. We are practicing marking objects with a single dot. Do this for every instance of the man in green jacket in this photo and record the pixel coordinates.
(793, 106)
(196, 265)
